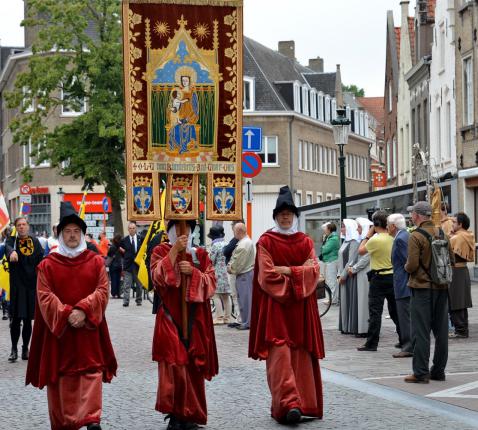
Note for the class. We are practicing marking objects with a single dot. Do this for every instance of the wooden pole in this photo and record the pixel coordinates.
(184, 306)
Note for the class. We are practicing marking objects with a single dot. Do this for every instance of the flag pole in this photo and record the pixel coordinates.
(184, 306)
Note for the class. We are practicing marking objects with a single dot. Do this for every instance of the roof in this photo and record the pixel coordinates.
(411, 35)
(373, 105)
(6, 51)
(397, 41)
(271, 69)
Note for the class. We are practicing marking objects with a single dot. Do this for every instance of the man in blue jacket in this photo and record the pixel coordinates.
(397, 228)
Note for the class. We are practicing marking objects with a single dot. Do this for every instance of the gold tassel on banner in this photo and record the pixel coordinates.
(436, 200)
(232, 3)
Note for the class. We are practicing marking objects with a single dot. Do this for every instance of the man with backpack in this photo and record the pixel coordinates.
(429, 265)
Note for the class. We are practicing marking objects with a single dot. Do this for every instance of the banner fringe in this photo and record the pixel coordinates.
(232, 3)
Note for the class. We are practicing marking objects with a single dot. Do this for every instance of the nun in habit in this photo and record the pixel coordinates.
(348, 256)
(359, 271)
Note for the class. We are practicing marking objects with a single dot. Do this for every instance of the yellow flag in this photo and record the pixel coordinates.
(5, 277)
(81, 212)
(140, 259)
(20, 213)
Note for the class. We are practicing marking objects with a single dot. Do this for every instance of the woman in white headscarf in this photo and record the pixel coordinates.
(359, 271)
(348, 255)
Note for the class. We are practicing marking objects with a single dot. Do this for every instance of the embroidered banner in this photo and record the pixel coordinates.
(183, 104)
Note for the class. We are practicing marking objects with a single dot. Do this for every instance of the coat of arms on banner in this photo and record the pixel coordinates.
(183, 95)
(143, 194)
(182, 197)
(224, 194)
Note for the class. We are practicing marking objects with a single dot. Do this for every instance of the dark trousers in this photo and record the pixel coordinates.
(381, 288)
(459, 319)
(15, 331)
(429, 312)
(403, 312)
(115, 277)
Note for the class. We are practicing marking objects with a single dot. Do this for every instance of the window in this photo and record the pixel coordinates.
(301, 162)
(356, 122)
(249, 94)
(365, 125)
(389, 160)
(296, 97)
(328, 197)
(308, 198)
(439, 130)
(28, 160)
(327, 109)
(449, 135)
(334, 109)
(72, 105)
(320, 99)
(390, 99)
(268, 154)
(467, 91)
(298, 198)
(442, 46)
(305, 101)
(40, 216)
(313, 103)
(27, 102)
(320, 197)
(394, 159)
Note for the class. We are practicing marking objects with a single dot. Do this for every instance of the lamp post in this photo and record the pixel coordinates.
(340, 126)
(61, 194)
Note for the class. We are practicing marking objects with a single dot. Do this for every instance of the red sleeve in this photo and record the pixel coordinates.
(54, 312)
(305, 278)
(163, 273)
(202, 285)
(94, 305)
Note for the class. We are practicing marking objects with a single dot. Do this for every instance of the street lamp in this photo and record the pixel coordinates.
(340, 126)
(61, 194)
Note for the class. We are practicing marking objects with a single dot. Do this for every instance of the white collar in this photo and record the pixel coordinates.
(71, 252)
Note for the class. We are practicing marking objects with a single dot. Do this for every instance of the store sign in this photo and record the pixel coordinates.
(94, 202)
(40, 190)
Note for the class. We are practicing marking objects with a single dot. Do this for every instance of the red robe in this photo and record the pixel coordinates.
(58, 350)
(285, 324)
(182, 370)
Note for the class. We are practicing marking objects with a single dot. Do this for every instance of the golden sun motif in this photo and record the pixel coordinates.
(161, 28)
(201, 31)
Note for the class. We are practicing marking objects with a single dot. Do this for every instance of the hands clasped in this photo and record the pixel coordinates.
(77, 318)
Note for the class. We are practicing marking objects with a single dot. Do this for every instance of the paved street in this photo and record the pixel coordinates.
(238, 396)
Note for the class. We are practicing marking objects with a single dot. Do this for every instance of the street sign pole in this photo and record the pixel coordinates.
(248, 192)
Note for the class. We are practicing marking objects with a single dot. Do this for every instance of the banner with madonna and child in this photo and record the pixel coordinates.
(183, 106)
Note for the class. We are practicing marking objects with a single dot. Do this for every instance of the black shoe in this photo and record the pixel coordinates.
(138, 304)
(398, 345)
(293, 416)
(125, 305)
(242, 327)
(93, 426)
(4, 318)
(13, 356)
(174, 423)
(25, 353)
(366, 348)
(441, 377)
(188, 426)
(361, 335)
(233, 325)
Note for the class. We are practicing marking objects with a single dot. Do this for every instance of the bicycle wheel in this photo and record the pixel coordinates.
(324, 299)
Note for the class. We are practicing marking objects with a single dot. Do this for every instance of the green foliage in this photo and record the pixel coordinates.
(65, 56)
(358, 92)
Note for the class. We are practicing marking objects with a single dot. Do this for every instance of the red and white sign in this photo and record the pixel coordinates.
(40, 190)
(379, 179)
(25, 189)
(94, 202)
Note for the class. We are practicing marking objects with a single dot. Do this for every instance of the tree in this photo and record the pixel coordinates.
(82, 65)
(356, 91)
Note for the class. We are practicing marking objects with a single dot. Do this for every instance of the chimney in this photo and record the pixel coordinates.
(338, 89)
(317, 64)
(287, 48)
(404, 21)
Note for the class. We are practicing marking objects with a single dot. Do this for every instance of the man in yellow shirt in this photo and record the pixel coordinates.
(378, 244)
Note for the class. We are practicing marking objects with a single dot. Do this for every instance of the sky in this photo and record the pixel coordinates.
(351, 33)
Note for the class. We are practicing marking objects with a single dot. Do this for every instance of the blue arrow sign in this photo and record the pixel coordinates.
(106, 205)
(252, 139)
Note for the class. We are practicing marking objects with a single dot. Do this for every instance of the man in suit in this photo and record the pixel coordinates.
(129, 248)
(397, 228)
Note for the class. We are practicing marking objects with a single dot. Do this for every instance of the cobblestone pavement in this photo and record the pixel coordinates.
(238, 397)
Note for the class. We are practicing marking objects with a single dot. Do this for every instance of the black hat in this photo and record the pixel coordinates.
(68, 215)
(285, 201)
(216, 232)
(191, 223)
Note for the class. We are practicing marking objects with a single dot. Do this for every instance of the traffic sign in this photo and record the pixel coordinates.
(25, 189)
(248, 190)
(105, 203)
(252, 139)
(26, 209)
(251, 164)
(26, 198)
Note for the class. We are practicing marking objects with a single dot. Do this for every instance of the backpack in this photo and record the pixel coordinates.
(440, 267)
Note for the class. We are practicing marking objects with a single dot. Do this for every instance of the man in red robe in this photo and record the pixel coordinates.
(183, 362)
(285, 323)
(71, 352)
